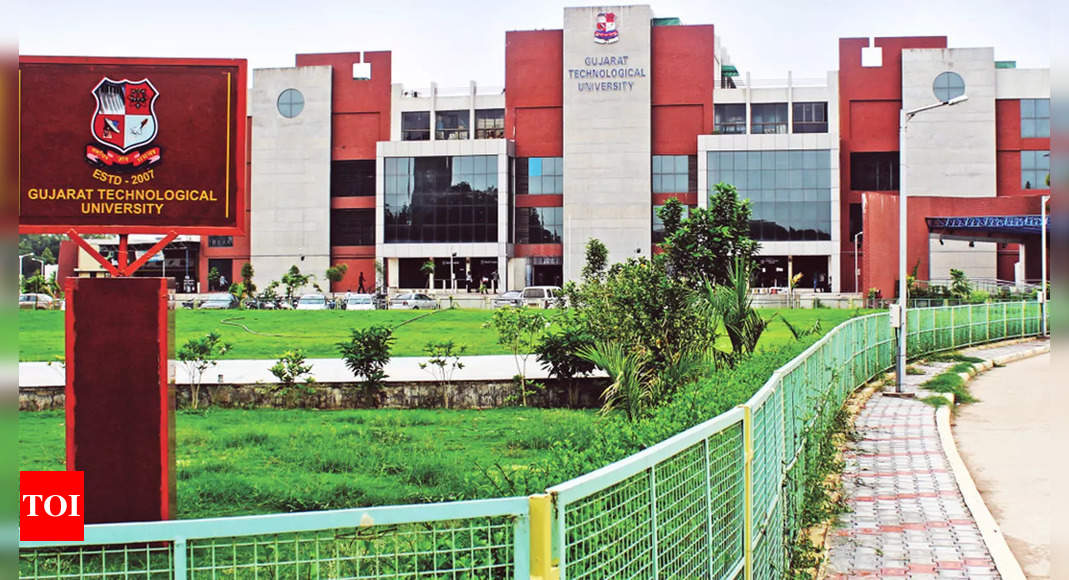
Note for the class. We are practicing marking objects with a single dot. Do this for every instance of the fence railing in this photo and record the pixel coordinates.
(720, 500)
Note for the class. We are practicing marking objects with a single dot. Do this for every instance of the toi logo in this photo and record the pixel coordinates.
(51, 506)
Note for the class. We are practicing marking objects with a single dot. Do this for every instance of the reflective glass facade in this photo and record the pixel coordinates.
(790, 191)
(539, 225)
(440, 199)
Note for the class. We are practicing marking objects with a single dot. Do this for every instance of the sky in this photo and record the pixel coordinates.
(456, 41)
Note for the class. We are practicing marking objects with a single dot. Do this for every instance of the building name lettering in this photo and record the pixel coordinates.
(611, 71)
(121, 201)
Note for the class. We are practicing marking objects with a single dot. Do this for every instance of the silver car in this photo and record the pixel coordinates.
(510, 298)
(413, 301)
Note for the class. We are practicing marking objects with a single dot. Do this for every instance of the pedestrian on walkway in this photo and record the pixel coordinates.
(467, 281)
(360, 285)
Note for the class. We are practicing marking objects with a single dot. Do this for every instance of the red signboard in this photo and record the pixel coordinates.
(131, 145)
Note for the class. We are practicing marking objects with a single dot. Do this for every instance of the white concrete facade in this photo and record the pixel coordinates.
(607, 130)
(290, 173)
(788, 93)
(503, 149)
(950, 151)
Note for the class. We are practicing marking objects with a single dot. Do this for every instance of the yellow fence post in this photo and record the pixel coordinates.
(747, 534)
(542, 568)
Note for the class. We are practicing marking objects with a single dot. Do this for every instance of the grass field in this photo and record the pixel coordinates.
(232, 462)
(273, 332)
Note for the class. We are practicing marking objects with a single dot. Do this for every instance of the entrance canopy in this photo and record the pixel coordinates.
(1018, 228)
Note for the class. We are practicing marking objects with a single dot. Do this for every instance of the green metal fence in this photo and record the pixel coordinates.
(720, 500)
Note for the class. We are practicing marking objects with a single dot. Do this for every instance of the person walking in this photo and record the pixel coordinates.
(467, 281)
(360, 285)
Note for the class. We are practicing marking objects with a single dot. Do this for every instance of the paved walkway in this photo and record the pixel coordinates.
(400, 369)
(1007, 442)
(907, 517)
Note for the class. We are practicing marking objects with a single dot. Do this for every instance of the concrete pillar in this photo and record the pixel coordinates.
(393, 272)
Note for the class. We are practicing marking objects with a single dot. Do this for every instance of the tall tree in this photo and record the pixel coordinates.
(704, 247)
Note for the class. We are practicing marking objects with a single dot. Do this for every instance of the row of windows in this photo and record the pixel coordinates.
(441, 199)
(671, 174)
(766, 118)
(790, 191)
(416, 125)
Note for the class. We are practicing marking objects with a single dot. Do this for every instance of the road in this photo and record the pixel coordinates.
(1005, 440)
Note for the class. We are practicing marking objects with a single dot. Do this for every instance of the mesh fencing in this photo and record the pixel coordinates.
(675, 510)
(649, 523)
(492, 543)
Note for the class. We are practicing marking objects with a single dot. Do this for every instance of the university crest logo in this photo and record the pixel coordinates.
(605, 31)
(123, 121)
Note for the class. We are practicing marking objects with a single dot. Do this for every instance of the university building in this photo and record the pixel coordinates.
(604, 120)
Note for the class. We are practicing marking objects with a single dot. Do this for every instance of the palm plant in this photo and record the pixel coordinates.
(742, 323)
(630, 389)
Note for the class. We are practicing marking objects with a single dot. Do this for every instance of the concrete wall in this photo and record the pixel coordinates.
(606, 137)
(977, 261)
(950, 150)
(291, 173)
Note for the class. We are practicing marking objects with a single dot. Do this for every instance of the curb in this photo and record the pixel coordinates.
(1005, 562)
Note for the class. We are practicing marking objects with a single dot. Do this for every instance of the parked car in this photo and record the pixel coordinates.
(510, 298)
(312, 302)
(541, 296)
(35, 301)
(413, 301)
(360, 302)
(219, 301)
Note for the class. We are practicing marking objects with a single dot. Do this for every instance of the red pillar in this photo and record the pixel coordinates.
(119, 402)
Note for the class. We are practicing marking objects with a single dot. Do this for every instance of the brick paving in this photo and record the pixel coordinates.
(906, 517)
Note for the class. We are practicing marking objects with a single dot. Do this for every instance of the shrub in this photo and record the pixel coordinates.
(558, 353)
(198, 355)
(294, 381)
(520, 330)
(444, 361)
(366, 354)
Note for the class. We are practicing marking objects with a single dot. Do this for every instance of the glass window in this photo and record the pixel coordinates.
(352, 178)
(729, 118)
(451, 125)
(810, 118)
(671, 174)
(1035, 117)
(490, 124)
(538, 175)
(220, 241)
(539, 225)
(352, 227)
(658, 223)
(876, 171)
(768, 118)
(416, 126)
(1035, 169)
(789, 191)
(441, 199)
(290, 103)
(948, 85)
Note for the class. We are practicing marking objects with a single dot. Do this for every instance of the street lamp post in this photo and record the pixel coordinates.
(903, 120)
(32, 259)
(857, 273)
(1043, 256)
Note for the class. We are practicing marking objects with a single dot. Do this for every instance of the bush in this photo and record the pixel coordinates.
(293, 382)
(366, 354)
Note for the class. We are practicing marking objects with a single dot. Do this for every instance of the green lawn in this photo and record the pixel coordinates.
(232, 461)
(41, 332)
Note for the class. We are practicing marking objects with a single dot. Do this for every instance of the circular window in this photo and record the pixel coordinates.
(290, 103)
(948, 85)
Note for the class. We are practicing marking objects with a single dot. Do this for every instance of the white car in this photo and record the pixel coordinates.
(540, 296)
(34, 301)
(312, 302)
(413, 301)
(360, 302)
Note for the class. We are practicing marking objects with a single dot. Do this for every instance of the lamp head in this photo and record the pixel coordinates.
(958, 99)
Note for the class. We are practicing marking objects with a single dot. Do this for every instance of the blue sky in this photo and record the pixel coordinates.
(453, 42)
